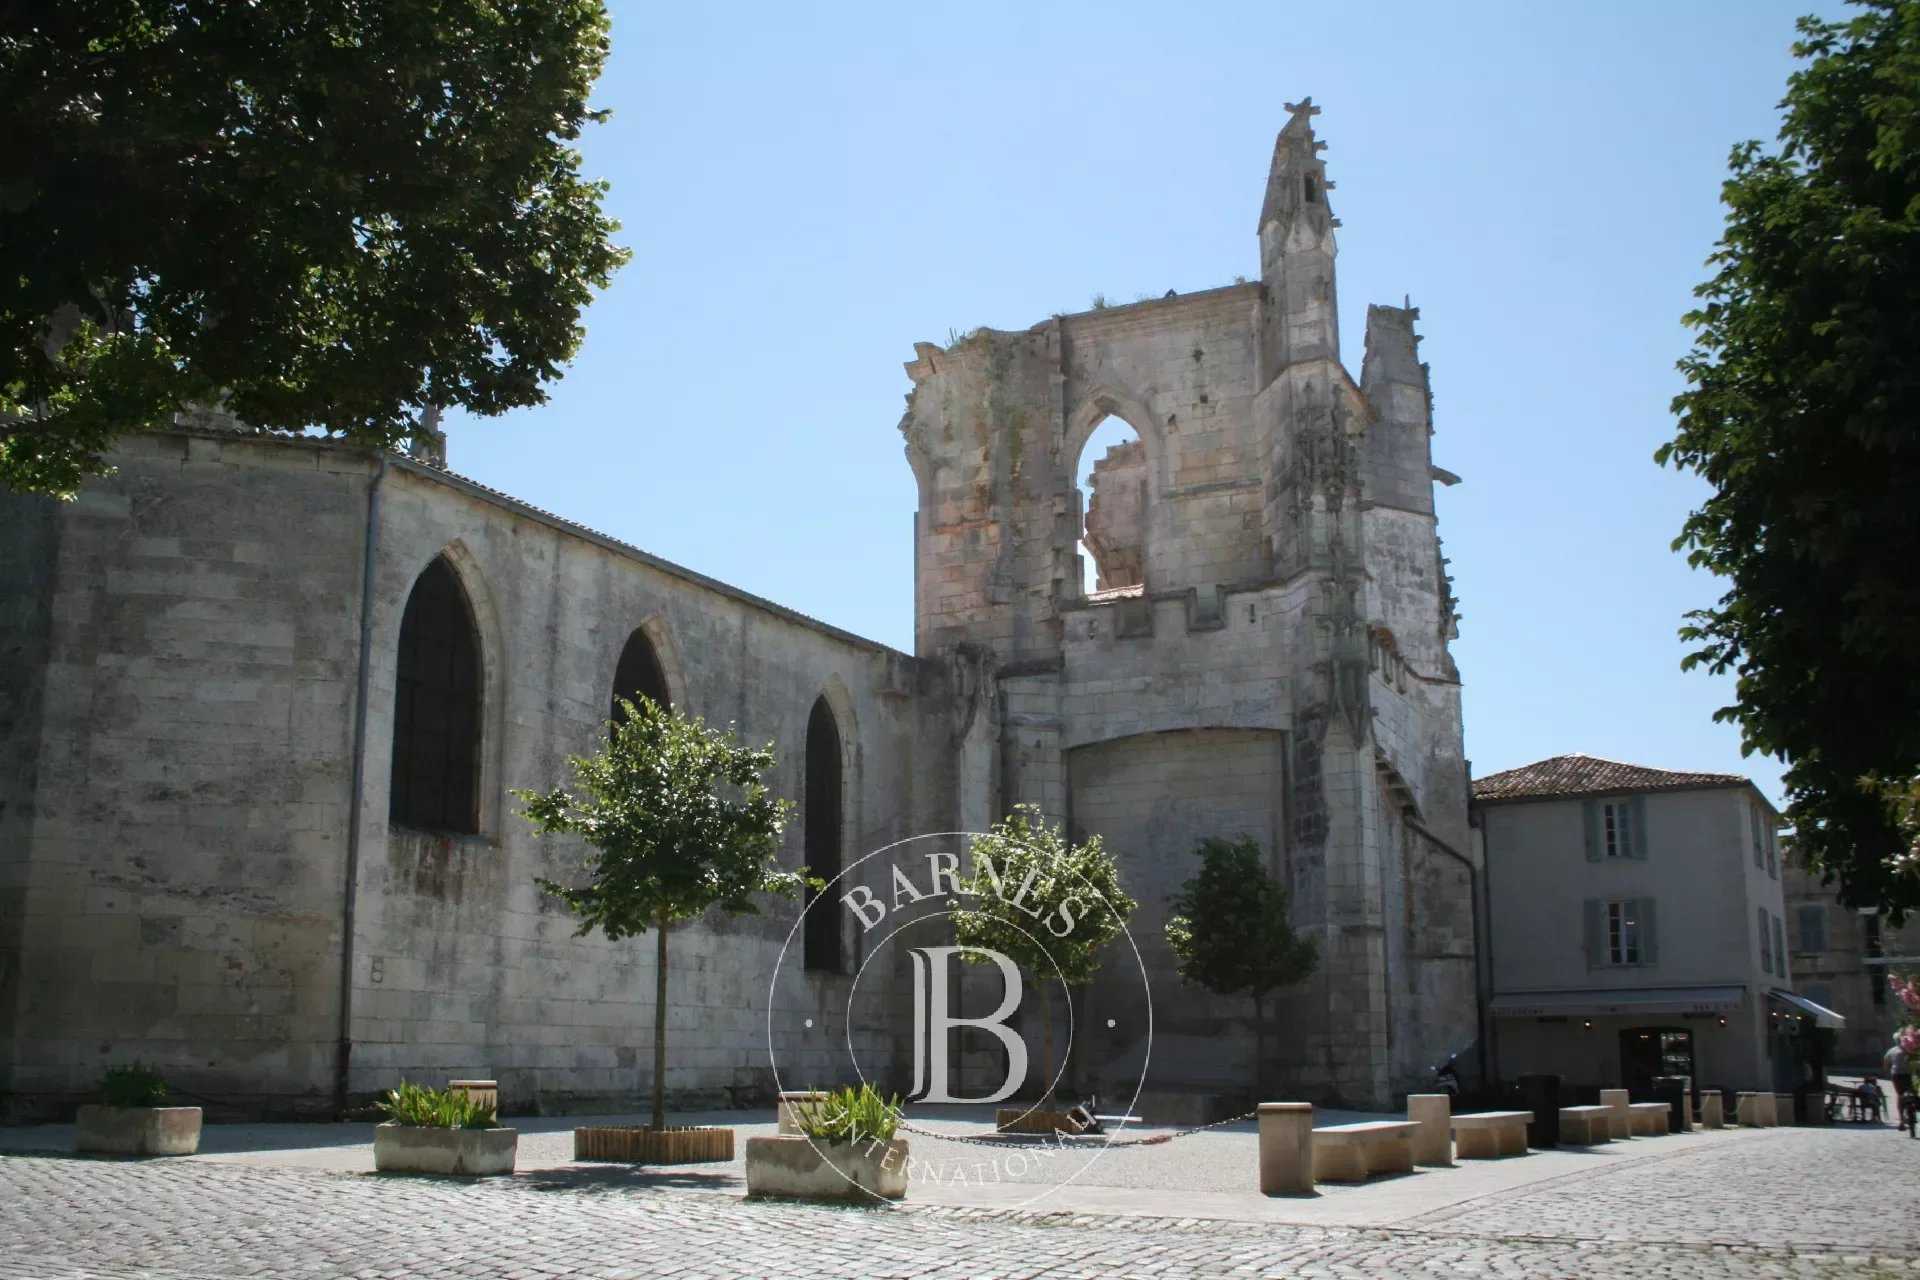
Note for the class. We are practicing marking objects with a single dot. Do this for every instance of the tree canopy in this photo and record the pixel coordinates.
(677, 821)
(1799, 411)
(1048, 905)
(1229, 929)
(314, 215)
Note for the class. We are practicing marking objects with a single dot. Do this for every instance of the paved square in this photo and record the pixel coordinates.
(1785, 1202)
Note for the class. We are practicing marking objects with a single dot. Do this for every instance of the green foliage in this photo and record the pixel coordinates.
(1048, 906)
(133, 1086)
(426, 1108)
(313, 215)
(1229, 929)
(1799, 412)
(677, 820)
(850, 1115)
(1042, 903)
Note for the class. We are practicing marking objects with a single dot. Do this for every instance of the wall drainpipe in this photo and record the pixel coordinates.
(343, 1052)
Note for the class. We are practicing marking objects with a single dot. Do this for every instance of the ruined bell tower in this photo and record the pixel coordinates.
(1266, 654)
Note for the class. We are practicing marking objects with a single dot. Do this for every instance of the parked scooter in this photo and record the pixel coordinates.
(1446, 1077)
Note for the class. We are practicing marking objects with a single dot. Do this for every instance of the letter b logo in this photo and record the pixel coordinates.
(931, 1024)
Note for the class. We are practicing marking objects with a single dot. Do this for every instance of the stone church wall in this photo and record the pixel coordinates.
(184, 833)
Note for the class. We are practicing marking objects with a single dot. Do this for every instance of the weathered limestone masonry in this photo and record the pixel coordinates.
(204, 659)
(177, 721)
(1281, 672)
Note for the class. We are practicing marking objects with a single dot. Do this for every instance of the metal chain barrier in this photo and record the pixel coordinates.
(998, 1139)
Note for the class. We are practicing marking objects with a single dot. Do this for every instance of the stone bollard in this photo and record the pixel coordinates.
(1616, 1101)
(1433, 1140)
(1711, 1111)
(1286, 1148)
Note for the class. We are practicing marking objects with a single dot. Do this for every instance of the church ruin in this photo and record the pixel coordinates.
(263, 699)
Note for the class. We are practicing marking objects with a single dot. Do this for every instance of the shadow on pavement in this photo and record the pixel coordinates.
(602, 1179)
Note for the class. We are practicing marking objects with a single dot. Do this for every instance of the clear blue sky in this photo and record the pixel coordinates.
(810, 189)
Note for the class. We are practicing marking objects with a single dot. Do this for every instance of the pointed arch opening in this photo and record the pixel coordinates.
(1110, 480)
(435, 783)
(639, 674)
(825, 817)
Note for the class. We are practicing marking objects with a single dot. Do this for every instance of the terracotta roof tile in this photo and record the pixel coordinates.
(1584, 775)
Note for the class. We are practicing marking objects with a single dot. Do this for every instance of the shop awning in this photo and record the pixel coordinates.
(1591, 1003)
(1821, 1015)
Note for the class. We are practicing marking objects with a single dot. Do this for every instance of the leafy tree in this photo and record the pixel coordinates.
(678, 821)
(313, 213)
(1048, 906)
(1230, 933)
(1799, 412)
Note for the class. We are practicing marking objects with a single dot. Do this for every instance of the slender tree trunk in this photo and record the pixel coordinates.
(1046, 1045)
(660, 1027)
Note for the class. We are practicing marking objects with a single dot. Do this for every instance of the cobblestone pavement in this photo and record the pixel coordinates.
(1788, 1203)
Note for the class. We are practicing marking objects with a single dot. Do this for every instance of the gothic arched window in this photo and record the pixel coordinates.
(825, 807)
(639, 674)
(436, 708)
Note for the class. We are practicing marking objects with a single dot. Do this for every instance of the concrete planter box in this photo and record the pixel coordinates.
(138, 1131)
(470, 1153)
(794, 1166)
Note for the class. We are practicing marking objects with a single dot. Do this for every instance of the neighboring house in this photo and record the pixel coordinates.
(1635, 927)
(1841, 956)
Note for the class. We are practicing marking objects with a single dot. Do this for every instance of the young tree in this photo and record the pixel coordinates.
(1799, 412)
(678, 821)
(1048, 906)
(314, 214)
(1230, 933)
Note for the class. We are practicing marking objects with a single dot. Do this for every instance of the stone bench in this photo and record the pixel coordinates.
(1651, 1119)
(1355, 1152)
(1617, 1101)
(1756, 1110)
(1712, 1111)
(1483, 1135)
(1586, 1126)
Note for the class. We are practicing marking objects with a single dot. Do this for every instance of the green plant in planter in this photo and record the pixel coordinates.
(426, 1108)
(133, 1086)
(850, 1115)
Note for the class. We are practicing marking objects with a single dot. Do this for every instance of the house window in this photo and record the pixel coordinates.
(1812, 919)
(1773, 863)
(1766, 943)
(435, 785)
(825, 806)
(1623, 933)
(1759, 849)
(1780, 947)
(1617, 827)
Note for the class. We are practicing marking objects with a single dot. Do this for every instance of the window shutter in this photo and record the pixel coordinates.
(1780, 948)
(1812, 921)
(1639, 810)
(1766, 943)
(1591, 811)
(1596, 934)
(1649, 931)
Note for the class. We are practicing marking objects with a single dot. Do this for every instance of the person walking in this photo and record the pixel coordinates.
(1894, 1062)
